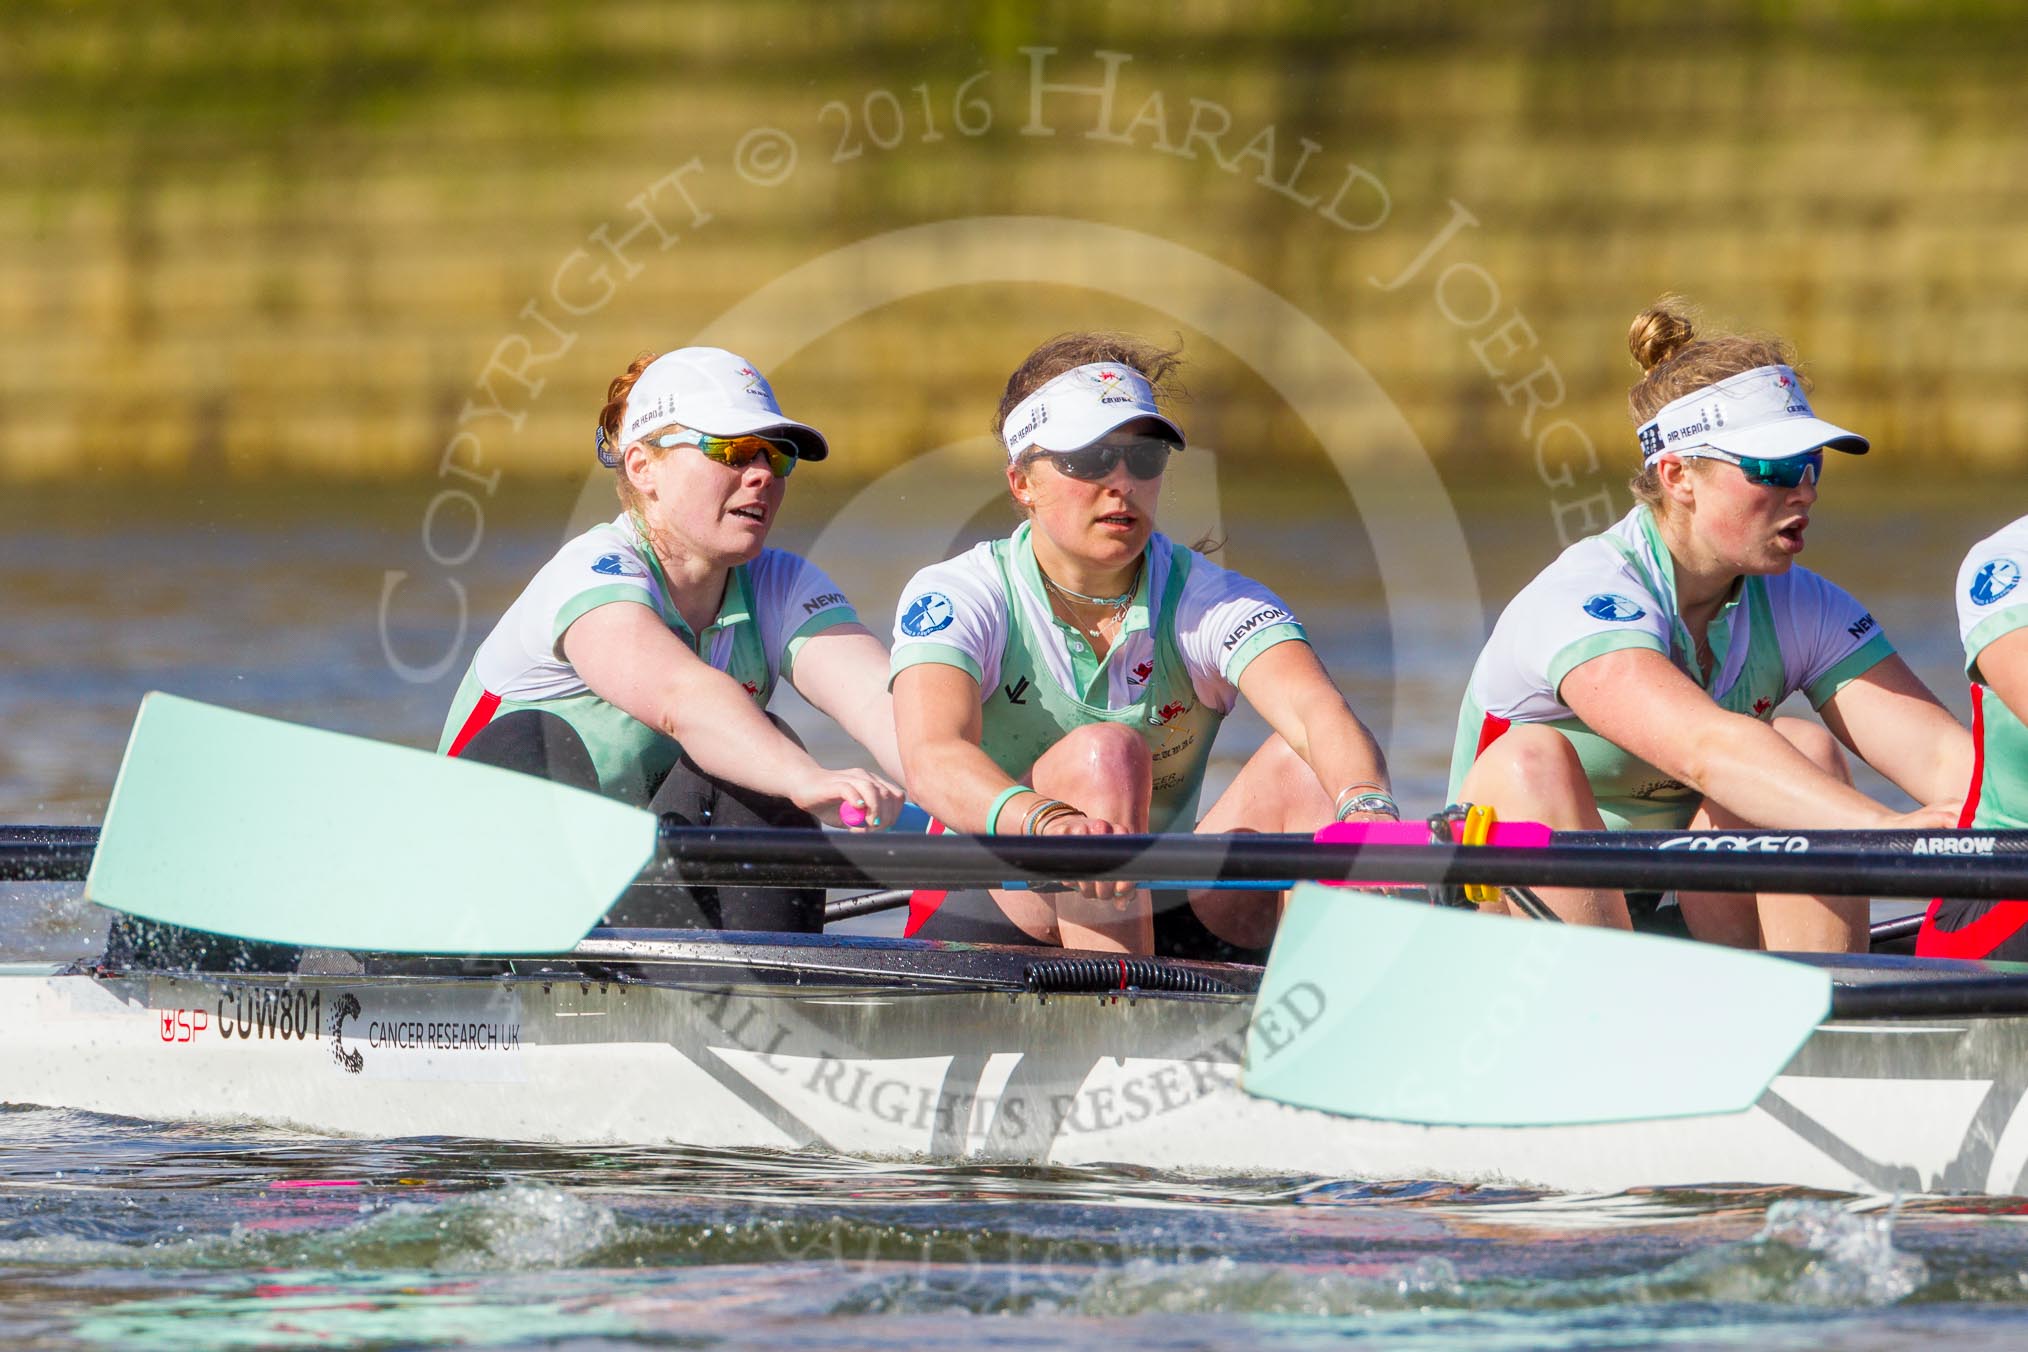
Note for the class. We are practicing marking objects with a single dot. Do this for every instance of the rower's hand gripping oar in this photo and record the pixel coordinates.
(247, 826)
(1416, 1013)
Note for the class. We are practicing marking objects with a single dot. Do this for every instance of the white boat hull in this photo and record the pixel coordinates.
(1064, 1079)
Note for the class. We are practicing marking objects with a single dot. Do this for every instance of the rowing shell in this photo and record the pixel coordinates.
(903, 1049)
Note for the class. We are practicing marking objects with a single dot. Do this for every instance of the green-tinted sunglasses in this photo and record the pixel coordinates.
(1787, 472)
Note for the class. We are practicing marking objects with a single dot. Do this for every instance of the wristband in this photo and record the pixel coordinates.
(1382, 803)
(993, 813)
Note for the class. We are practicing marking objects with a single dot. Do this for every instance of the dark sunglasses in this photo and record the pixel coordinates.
(1146, 458)
(1787, 472)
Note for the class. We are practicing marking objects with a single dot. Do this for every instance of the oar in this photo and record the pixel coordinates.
(265, 830)
(1414, 1013)
(1926, 863)
(763, 857)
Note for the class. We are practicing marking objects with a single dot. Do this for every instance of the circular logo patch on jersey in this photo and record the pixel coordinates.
(927, 614)
(616, 565)
(1607, 606)
(1996, 577)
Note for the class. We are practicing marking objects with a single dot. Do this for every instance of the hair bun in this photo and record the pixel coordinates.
(1660, 332)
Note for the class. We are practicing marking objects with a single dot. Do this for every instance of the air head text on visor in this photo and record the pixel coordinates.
(1759, 420)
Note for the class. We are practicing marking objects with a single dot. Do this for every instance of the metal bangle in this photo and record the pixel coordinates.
(1028, 823)
(1060, 809)
(1382, 803)
(1348, 790)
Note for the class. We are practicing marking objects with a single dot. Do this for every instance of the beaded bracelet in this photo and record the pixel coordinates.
(1382, 803)
(1012, 791)
(1051, 813)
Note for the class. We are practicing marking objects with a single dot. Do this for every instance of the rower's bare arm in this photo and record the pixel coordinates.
(629, 658)
(843, 673)
(2003, 669)
(1297, 697)
(1890, 720)
(1637, 699)
(938, 724)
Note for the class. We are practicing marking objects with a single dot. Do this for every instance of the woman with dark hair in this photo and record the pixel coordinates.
(1634, 682)
(640, 660)
(1069, 680)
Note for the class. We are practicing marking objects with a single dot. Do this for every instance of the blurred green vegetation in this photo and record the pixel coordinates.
(289, 239)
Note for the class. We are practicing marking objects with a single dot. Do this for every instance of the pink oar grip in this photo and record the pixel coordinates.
(851, 814)
(1522, 835)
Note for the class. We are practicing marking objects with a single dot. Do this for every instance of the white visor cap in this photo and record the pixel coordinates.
(1762, 412)
(708, 389)
(1078, 407)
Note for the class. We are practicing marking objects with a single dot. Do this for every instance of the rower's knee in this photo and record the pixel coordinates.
(1530, 762)
(1109, 749)
(1815, 741)
(1103, 768)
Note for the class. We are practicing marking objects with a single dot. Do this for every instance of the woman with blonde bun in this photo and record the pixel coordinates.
(1635, 682)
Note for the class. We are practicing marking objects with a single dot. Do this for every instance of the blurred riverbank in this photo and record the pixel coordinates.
(378, 241)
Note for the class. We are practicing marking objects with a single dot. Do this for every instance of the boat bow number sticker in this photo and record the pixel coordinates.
(460, 1035)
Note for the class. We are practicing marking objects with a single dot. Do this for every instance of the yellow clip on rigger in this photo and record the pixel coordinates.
(1478, 827)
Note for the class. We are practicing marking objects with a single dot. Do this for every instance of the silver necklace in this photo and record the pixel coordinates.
(1120, 600)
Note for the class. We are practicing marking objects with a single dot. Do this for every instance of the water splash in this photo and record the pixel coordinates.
(521, 1227)
(1851, 1258)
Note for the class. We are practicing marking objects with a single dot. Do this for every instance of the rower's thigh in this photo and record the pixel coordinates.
(534, 742)
(1532, 773)
(1274, 791)
(1783, 921)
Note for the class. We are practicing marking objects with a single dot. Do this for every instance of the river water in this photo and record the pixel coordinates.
(322, 604)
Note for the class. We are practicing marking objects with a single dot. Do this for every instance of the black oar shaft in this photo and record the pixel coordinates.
(1975, 864)
(810, 859)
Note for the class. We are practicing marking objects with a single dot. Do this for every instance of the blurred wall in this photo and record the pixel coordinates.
(387, 239)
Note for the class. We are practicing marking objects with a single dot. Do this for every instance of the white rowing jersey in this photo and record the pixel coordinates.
(1191, 628)
(1781, 633)
(770, 608)
(1992, 602)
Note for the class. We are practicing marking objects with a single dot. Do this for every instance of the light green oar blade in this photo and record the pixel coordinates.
(1412, 1013)
(248, 826)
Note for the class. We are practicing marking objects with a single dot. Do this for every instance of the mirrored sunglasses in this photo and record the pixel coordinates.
(735, 452)
(1146, 458)
(1787, 472)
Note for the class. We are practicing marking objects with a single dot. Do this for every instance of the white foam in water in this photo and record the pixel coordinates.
(1856, 1262)
(532, 1226)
